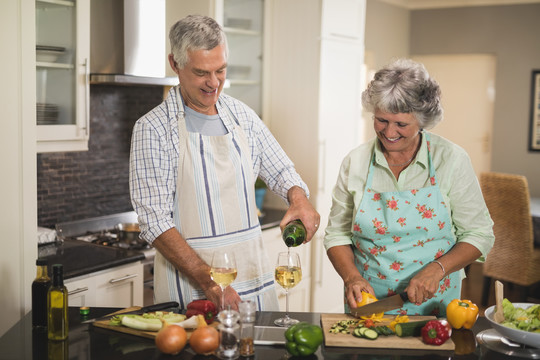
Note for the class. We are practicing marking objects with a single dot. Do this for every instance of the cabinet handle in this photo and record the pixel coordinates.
(78, 290)
(86, 65)
(112, 281)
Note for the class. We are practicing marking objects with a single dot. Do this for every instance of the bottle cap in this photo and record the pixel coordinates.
(84, 310)
(247, 311)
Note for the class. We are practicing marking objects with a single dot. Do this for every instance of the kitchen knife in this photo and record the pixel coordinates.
(386, 304)
(145, 309)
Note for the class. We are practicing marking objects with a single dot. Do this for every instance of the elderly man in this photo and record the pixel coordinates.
(194, 161)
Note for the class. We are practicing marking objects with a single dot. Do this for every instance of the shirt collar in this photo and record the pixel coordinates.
(421, 157)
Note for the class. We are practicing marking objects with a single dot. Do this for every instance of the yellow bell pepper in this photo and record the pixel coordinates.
(367, 298)
(461, 313)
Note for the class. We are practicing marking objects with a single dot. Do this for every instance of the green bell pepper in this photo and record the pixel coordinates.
(303, 339)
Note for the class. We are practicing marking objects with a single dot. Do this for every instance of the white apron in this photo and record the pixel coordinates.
(215, 209)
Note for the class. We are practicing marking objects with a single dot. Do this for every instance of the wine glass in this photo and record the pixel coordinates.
(288, 274)
(223, 271)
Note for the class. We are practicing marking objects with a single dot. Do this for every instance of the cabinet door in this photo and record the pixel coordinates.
(62, 74)
(120, 287)
(81, 291)
(343, 19)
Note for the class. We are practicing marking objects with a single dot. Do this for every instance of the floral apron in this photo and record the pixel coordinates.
(215, 210)
(397, 233)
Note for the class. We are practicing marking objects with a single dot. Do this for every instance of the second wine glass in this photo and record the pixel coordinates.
(288, 274)
(223, 271)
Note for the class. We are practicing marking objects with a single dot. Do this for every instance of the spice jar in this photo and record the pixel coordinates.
(247, 323)
(229, 333)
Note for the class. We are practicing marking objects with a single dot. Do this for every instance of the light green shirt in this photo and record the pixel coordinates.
(457, 181)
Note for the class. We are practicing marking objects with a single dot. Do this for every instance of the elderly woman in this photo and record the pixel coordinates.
(407, 212)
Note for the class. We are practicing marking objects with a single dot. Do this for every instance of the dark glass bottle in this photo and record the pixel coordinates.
(40, 287)
(57, 305)
(294, 233)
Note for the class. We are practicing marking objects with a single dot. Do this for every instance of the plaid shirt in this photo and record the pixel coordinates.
(154, 161)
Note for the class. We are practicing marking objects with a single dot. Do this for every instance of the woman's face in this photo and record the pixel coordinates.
(396, 132)
(202, 78)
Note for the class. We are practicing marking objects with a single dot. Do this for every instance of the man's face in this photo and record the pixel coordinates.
(202, 78)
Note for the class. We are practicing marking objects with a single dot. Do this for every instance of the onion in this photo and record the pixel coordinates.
(171, 339)
(204, 340)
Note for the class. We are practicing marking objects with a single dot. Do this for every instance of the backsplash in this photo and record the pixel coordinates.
(78, 185)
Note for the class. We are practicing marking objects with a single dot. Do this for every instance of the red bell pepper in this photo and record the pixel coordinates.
(436, 332)
(203, 307)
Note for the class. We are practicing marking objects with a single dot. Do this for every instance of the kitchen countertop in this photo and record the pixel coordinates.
(87, 342)
(81, 257)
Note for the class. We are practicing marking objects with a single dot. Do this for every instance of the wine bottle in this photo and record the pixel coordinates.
(40, 287)
(294, 233)
(57, 305)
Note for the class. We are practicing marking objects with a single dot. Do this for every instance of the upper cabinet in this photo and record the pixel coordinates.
(62, 74)
(242, 21)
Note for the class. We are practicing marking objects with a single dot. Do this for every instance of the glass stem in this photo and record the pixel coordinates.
(287, 303)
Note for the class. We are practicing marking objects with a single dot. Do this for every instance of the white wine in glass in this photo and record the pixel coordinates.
(288, 274)
(223, 271)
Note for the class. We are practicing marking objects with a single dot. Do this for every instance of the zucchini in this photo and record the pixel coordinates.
(357, 332)
(371, 334)
(412, 328)
(140, 323)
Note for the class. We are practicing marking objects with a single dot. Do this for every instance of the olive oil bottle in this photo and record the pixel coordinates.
(294, 233)
(57, 305)
(40, 288)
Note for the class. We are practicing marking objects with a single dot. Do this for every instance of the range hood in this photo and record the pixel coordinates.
(128, 43)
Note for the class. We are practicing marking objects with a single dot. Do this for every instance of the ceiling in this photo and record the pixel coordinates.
(436, 4)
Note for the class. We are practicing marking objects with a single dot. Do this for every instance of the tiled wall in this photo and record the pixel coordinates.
(78, 185)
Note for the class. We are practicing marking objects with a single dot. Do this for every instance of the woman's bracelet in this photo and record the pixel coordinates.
(441, 265)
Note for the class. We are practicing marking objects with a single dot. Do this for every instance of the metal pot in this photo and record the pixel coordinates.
(129, 233)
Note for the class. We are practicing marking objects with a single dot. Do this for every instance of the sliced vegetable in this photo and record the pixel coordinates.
(398, 319)
(462, 313)
(364, 332)
(368, 298)
(413, 328)
(371, 334)
(140, 323)
(436, 332)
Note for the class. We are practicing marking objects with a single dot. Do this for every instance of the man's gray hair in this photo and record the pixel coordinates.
(192, 33)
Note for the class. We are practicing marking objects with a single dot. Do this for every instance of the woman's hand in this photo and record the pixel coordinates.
(425, 284)
(354, 288)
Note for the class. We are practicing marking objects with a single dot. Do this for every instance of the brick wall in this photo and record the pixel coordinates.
(78, 185)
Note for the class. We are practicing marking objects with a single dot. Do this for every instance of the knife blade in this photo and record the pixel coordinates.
(145, 309)
(390, 303)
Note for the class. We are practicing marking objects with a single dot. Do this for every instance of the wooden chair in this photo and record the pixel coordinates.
(513, 258)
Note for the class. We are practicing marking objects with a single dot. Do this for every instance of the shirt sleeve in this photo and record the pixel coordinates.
(470, 217)
(151, 177)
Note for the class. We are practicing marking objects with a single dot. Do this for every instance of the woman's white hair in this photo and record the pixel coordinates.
(404, 86)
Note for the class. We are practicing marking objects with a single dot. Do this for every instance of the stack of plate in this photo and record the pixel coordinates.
(49, 53)
(47, 114)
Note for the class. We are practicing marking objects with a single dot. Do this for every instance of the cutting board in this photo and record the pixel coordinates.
(388, 342)
(104, 324)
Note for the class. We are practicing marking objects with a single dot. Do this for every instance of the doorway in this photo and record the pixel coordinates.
(468, 94)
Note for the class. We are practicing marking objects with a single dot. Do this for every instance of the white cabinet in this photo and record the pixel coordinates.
(312, 88)
(121, 286)
(62, 74)
(242, 21)
(299, 296)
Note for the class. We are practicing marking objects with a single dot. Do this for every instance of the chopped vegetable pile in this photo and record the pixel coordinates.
(521, 319)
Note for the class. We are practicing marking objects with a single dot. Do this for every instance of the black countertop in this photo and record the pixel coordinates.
(81, 257)
(87, 342)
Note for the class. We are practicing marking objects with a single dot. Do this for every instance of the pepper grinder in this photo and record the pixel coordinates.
(229, 333)
(247, 329)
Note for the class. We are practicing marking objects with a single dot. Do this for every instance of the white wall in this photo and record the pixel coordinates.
(18, 210)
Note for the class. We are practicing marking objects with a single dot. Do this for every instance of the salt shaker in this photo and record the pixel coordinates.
(247, 322)
(229, 333)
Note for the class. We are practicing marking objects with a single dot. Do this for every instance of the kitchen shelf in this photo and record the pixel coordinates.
(46, 3)
(54, 65)
(238, 31)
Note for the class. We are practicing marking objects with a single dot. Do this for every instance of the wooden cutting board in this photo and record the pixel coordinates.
(392, 341)
(104, 324)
